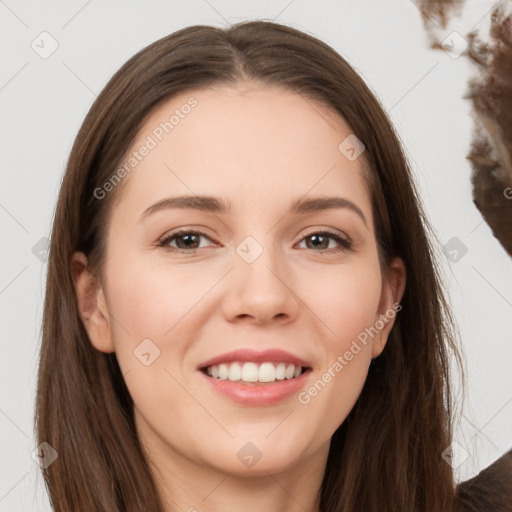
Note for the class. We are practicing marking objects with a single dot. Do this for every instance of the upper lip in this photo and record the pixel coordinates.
(245, 355)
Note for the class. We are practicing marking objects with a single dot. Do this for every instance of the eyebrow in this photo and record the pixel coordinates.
(214, 205)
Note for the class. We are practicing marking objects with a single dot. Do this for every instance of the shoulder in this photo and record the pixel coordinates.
(490, 490)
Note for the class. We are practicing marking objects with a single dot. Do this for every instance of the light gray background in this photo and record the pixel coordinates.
(45, 100)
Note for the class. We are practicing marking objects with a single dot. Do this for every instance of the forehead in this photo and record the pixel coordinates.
(249, 144)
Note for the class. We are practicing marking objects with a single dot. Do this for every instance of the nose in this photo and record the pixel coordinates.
(260, 291)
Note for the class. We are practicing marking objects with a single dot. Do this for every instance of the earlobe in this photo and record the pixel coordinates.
(392, 292)
(92, 306)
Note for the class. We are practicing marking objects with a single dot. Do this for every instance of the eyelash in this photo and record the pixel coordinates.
(346, 244)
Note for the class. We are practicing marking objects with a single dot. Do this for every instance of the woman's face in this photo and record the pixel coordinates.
(240, 284)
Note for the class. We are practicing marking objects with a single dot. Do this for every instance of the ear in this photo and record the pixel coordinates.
(393, 287)
(92, 305)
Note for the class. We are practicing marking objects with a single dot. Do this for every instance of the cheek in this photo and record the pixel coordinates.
(348, 305)
(152, 309)
(157, 310)
(345, 301)
(149, 300)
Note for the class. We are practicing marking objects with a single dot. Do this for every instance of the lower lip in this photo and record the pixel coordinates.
(258, 393)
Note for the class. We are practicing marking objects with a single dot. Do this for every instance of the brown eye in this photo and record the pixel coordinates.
(186, 241)
(321, 240)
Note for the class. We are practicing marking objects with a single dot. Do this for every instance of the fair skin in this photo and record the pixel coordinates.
(258, 149)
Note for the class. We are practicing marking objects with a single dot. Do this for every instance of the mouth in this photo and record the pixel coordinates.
(254, 373)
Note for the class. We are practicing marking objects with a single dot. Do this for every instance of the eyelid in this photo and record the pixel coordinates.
(340, 237)
(345, 243)
(331, 231)
(164, 240)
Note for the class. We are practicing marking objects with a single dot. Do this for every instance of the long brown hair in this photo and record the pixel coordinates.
(388, 453)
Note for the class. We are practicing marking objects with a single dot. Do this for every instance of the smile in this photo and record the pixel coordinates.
(251, 372)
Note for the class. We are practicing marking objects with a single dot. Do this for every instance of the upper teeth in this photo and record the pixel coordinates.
(251, 372)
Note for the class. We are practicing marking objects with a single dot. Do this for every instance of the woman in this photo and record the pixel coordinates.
(242, 305)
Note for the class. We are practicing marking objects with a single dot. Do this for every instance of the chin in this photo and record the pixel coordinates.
(256, 457)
